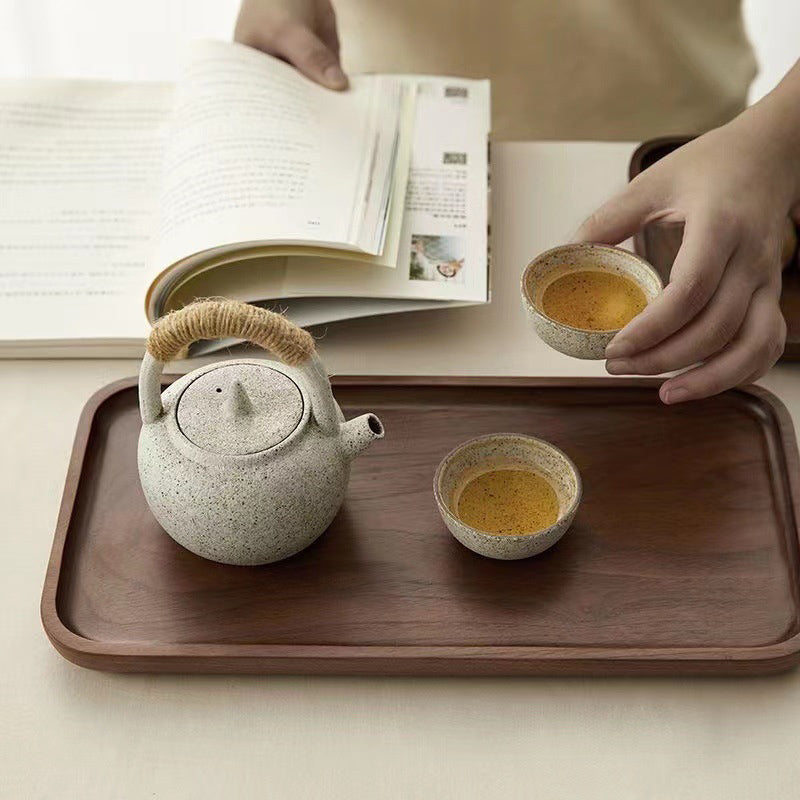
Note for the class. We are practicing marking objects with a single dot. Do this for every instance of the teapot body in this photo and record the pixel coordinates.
(245, 509)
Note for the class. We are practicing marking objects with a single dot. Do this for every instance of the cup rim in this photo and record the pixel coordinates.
(529, 302)
(567, 514)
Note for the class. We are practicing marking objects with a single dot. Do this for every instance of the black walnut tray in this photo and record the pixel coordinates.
(683, 558)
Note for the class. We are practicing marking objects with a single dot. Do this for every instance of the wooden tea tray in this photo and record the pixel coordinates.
(683, 558)
(659, 244)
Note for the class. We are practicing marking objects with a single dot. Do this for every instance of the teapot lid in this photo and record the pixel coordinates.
(238, 409)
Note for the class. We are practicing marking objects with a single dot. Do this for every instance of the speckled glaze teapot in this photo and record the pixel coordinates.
(244, 461)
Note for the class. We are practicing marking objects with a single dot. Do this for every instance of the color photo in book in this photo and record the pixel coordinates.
(437, 258)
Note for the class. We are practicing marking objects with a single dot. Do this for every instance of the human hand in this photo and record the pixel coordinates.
(733, 189)
(302, 32)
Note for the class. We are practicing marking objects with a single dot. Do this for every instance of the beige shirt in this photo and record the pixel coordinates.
(568, 69)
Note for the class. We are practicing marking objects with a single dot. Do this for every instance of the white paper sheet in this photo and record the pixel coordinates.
(79, 165)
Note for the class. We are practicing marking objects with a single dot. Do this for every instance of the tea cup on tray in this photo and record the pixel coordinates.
(579, 296)
(506, 495)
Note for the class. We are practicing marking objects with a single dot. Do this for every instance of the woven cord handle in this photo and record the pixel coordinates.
(213, 319)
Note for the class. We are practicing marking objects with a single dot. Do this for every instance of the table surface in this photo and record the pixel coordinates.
(67, 732)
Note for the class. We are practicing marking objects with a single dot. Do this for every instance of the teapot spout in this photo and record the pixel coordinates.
(357, 434)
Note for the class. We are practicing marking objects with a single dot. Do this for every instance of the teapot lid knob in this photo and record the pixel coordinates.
(237, 402)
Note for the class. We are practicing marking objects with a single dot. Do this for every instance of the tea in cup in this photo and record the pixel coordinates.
(507, 495)
(579, 296)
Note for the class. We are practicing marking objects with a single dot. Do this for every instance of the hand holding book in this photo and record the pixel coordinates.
(302, 32)
(244, 179)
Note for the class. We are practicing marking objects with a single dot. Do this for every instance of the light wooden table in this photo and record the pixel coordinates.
(71, 733)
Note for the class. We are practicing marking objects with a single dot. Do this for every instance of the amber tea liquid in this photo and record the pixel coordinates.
(593, 301)
(508, 501)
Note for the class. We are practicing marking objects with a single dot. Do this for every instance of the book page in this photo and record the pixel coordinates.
(444, 240)
(257, 152)
(79, 167)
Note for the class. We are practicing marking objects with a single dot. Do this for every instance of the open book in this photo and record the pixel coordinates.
(122, 201)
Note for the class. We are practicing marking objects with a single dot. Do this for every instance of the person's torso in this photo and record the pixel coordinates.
(568, 69)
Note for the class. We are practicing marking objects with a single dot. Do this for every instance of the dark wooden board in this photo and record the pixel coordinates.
(659, 244)
(683, 558)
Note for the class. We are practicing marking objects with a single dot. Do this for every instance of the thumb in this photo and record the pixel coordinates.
(300, 47)
(618, 218)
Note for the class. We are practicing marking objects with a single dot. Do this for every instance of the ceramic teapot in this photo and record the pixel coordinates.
(244, 461)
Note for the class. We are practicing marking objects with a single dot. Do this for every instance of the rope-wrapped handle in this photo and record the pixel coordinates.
(215, 319)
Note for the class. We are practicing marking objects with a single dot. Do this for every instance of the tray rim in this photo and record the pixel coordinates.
(414, 659)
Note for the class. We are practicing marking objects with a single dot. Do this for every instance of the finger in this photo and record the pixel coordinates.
(696, 273)
(618, 218)
(705, 335)
(300, 47)
(754, 377)
(328, 32)
(760, 373)
(757, 347)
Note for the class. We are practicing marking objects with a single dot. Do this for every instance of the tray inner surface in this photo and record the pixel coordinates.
(686, 535)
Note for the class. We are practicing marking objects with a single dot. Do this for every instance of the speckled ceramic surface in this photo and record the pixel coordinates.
(552, 264)
(246, 461)
(239, 409)
(504, 451)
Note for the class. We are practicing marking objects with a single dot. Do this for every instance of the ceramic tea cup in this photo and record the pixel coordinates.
(504, 451)
(553, 264)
